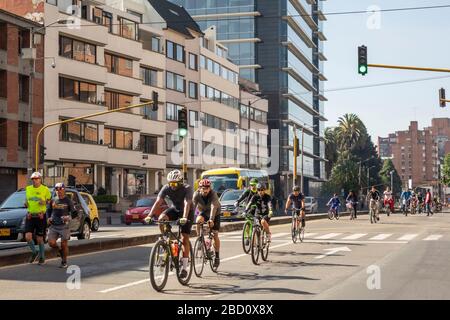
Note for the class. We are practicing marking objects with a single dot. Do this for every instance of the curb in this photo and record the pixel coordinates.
(95, 245)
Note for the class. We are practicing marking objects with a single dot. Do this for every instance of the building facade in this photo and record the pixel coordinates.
(417, 154)
(21, 100)
(279, 45)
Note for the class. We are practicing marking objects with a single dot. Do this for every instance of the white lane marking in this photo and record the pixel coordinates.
(331, 251)
(355, 236)
(408, 237)
(381, 236)
(328, 236)
(279, 235)
(309, 234)
(234, 233)
(127, 285)
(433, 237)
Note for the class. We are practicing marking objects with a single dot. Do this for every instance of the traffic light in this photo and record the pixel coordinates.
(182, 123)
(442, 97)
(42, 154)
(155, 101)
(362, 60)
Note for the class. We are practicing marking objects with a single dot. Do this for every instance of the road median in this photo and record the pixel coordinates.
(21, 255)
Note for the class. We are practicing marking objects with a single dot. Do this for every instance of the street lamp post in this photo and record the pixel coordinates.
(392, 180)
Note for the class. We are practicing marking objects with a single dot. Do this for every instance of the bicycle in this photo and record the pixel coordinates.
(166, 254)
(296, 227)
(350, 206)
(204, 251)
(259, 244)
(387, 209)
(333, 213)
(247, 231)
(373, 211)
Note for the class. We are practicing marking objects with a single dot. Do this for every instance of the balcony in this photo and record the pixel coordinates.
(300, 55)
(135, 159)
(123, 83)
(81, 70)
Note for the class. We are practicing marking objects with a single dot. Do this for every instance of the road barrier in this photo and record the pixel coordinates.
(21, 256)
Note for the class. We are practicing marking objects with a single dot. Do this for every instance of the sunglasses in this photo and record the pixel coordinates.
(173, 184)
(206, 188)
(57, 189)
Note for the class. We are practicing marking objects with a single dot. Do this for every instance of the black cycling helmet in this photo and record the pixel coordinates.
(296, 189)
(261, 186)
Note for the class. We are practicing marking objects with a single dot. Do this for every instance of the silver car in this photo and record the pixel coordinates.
(227, 200)
(311, 205)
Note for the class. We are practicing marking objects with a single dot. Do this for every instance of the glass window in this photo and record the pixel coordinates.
(202, 90)
(217, 68)
(107, 20)
(149, 144)
(193, 61)
(210, 92)
(149, 76)
(97, 15)
(156, 44)
(90, 53)
(193, 118)
(210, 65)
(90, 134)
(128, 28)
(170, 81)
(180, 53)
(65, 49)
(169, 51)
(193, 90)
(78, 50)
(180, 83)
(202, 62)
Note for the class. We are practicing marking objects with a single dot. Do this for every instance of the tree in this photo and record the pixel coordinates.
(331, 153)
(349, 131)
(446, 170)
(345, 174)
(385, 175)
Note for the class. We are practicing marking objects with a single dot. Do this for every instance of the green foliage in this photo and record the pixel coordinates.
(446, 170)
(344, 175)
(385, 175)
(106, 198)
(101, 191)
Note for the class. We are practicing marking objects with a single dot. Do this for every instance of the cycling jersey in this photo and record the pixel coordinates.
(177, 196)
(263, 204)
(335, 202)
(387, 195)
(34, 196)
(296, 200)
(59, 208)
(204, 203)
(246, 196)
(374, 195)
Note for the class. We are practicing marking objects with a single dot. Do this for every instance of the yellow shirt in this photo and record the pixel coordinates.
(34, 196)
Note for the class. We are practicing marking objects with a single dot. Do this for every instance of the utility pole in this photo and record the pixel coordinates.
(392, 180)
(248, 134)
(294, 173)
(303, 148)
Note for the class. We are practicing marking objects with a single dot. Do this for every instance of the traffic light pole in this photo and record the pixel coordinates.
(80, 118)
(294, 174)
(407, 68)
(303, 147)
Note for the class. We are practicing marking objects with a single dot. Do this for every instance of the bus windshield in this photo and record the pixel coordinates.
(223, 182)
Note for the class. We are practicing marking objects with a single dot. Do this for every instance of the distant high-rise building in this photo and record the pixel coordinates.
(279, 45)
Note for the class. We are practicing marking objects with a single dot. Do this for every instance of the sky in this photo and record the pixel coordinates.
(412, 38)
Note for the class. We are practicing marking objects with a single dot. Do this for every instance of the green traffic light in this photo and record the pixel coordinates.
(182, 132)
(362, 70)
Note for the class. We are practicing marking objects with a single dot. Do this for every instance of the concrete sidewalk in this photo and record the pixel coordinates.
(21, 255)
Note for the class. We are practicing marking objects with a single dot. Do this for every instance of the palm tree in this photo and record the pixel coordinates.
(349, 131)
(330, 149)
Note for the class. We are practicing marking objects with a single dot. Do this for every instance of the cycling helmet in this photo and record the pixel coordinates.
(261, 186)
(254, 182)
(60, 185)
(175, 176)
(296, 189)
(204, 183)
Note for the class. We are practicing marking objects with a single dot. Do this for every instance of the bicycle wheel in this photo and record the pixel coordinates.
(246, 236)
(211, 261)
(255, 246)
(301, 234)
(294, 229)
(199, 256)
(264, 246)
(330, 214)
(337, 215)
(159, 265)
(371, 216)
(185, 281)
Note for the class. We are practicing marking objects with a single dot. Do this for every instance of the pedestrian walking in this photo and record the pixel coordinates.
(59, 215)
(352, 200)
(37, 196)
(428, 201)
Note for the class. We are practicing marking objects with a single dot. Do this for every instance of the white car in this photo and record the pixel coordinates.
(311, 205)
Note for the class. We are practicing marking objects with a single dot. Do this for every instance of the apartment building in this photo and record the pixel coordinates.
(21, 100)
(417, 154)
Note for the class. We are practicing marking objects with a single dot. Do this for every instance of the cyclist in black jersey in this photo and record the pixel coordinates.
(297, 200)
(262, 203)
(248, 194)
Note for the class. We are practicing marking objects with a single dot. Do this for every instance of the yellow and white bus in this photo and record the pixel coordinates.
(234, 178)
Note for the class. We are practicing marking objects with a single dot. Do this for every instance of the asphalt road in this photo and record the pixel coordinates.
(398, 258)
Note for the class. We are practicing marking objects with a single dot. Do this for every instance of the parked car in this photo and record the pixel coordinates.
(13, 214)
(93, 210)
(227, 200)
(311, 205)
(139, 210)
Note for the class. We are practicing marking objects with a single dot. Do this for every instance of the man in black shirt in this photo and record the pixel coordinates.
(248, 194)
(262, 202)
(297, 200)
(59, 214)
(180, 194)
(373, 196)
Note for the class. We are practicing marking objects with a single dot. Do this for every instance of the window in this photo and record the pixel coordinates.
(149, 144)
(147, 111)
(77, 90)
(172, 111)
(194, 148)
(119, 139)
(193, 90)
(193, 61)
(97, 16)
(149, 76)
(107, 20)
(119, 65)
(174, 51)
(24, 40)
(115, 100)
(171, 141)
(3, 36)
(156, 44)
(128, 28)
(77, 50)
(193, 118)
(174, 82)
(3, 131)
(202, 90)
(202, 62)
(24, 82)
(136, 14)
(53, 2)
(22, 135)
(82, 132)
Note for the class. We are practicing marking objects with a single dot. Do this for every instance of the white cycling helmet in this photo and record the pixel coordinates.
(175, 176)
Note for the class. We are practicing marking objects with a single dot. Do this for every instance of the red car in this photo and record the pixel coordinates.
(139, 210)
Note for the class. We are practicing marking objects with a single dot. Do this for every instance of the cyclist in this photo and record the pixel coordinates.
(413, 202)
(263, 202)
(248, 194)
(374, 197)
(180, 194)
(420, 199)
(297, 200)
(405, 196)
(388, 199)
(334, 203)
(207, 202)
